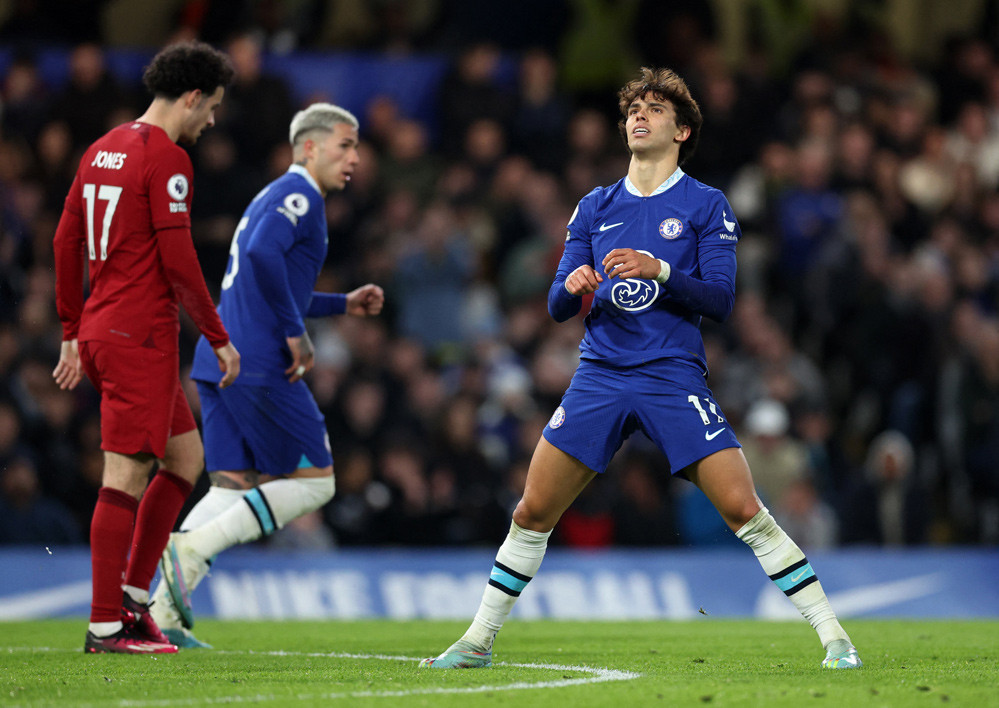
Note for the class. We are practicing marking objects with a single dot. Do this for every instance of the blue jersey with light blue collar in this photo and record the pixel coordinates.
(276, 254)
(631, 322)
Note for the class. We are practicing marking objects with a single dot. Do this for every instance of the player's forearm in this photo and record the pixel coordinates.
(713, 294)
(180, 264)
(327, 304)
(68, 247)
(562, 304)
(713, 300)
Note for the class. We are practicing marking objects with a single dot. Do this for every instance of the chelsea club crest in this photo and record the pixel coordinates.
(671, 228)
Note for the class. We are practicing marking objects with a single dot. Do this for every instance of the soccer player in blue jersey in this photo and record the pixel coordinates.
(657, 249)
(266, 443)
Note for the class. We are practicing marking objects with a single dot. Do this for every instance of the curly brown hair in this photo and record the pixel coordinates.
(186, 66)
(665, 85)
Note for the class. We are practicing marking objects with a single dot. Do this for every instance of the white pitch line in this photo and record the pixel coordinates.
(598, 675)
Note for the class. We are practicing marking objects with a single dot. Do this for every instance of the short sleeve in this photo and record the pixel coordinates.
(170, 189)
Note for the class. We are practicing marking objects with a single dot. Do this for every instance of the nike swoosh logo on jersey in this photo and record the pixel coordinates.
(728, 224)
(712, 436)
(604, 227)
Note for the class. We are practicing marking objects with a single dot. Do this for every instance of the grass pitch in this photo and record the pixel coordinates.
(578, 664)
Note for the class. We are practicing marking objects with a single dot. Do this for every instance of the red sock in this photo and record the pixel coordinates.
(110, 535)
(158, 512)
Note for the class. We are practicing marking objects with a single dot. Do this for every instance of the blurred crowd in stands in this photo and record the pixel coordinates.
(860, 366)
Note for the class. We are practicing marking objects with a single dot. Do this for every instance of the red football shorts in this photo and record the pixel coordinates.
(142, 402)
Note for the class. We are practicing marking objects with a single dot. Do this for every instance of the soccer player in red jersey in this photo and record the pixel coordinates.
(127, 217)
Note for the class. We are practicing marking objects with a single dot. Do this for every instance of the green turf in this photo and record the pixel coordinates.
(716, 662)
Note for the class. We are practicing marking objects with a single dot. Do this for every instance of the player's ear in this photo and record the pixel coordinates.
(191, 98)
(682, 133)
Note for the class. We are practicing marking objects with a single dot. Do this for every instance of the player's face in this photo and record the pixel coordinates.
(651, 125)
(335, 157)
(201, 115)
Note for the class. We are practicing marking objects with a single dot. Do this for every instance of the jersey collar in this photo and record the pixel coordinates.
(673, 179)
(302, 172)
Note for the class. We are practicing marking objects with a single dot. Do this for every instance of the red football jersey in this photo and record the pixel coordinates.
(128, 215)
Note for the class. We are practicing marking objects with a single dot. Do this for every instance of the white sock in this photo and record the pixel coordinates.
(217, 500)
(137, 594)
(104, 629)
(268, 507)
(517, 561)
(787, 566)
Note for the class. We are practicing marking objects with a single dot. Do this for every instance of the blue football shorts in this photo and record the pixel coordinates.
(667, 400)
(272, 429)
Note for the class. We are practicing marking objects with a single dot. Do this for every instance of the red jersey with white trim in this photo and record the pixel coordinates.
(128, 216)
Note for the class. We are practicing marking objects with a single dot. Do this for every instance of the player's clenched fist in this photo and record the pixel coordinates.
(365, 301)
(583, 280)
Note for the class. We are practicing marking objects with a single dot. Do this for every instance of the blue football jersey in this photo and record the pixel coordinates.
(634, 321)
(276, 254)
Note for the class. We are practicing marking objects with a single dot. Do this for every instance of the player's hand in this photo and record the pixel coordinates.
(583, 280)
(629, 263)
(69, 370)
(302, 356)
(228, 364)
(366, 300)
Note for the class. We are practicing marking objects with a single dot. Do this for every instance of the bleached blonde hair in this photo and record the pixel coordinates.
(318, 116)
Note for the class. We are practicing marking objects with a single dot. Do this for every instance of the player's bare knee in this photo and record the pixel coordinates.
(529, 519)
(738, 515)
(126, 473)
(186, 458)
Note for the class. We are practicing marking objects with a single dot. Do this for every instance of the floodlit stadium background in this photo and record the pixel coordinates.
(858, 143)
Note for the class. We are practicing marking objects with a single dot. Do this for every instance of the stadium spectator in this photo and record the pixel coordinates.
(55, 164)
(258, 106)
(24, 100)
(542, 112)
(888, 504)
(407, 164)
(28, 517)
(969, 422)
(778, 460)
(803, 512)
(224, 186)
(355, 514)
(431, 280)
(89, 97)
(472, 91)
(642, 510)
(12, 445)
